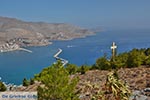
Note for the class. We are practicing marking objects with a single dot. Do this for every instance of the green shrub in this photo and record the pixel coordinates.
(25, 82)
(57, 84)
(32, 81)
(82, 69)
(147, 61)
(120, 61)
(147, 52)
(103, 64)
(71, 68)
(2, 86)
(135, 58)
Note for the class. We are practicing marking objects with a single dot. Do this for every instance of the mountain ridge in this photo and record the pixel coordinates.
(22, 33)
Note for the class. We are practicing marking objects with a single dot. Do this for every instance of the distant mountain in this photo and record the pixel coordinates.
(37, 33)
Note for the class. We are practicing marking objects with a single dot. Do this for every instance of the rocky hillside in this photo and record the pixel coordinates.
(138, 79)
(92, 81)
(14, 31)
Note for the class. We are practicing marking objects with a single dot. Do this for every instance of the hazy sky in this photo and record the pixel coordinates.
(115, 14)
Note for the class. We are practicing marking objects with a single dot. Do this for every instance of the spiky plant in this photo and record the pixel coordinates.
(118, 88)
(114, 89)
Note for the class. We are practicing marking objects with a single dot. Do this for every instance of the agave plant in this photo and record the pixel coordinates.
(118, 88)
(114, 89)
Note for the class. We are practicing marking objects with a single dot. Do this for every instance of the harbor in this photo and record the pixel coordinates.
(64, 61)
(12, 47)
(23, 49)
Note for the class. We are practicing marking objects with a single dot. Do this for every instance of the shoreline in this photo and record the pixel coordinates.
(12, 46)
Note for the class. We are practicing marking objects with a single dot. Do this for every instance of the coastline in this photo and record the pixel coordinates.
(24, 34)
(14, 45)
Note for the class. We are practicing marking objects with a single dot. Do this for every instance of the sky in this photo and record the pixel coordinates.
(109, 14)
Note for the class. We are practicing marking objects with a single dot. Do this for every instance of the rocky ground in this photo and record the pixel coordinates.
(138, 80)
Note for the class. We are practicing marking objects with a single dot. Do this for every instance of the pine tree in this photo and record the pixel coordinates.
(56, 84)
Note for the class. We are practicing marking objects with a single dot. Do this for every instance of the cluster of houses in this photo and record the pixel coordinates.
(9, 47)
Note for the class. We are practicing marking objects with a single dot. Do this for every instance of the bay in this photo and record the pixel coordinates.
(16, 65)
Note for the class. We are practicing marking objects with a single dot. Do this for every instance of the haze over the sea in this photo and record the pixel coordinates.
(112, 14)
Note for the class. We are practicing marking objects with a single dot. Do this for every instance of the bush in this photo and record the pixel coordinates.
(32, 81)
(2, 86)
(120, 61)
(25, 82)
(71, 68)
(135, 58)
(103, 64)
(57, 84)
(147, 61)
(147, 52)
(82, 69)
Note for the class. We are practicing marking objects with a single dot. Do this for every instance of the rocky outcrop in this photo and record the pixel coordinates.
(37, 33)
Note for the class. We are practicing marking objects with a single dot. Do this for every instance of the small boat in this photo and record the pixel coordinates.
(70, 46)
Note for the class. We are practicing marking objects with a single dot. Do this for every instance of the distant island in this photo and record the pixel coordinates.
(15, 33)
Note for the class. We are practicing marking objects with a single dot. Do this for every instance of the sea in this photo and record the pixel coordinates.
(16, 65)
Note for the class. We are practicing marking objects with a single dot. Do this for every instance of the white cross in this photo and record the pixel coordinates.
(113, 47)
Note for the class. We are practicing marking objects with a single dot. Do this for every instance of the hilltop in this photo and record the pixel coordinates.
(136, 78)
(14, 32)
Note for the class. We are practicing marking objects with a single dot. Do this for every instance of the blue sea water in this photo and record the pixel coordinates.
(16, 65)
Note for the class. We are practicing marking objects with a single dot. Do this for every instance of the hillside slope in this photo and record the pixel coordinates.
(14, 31)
